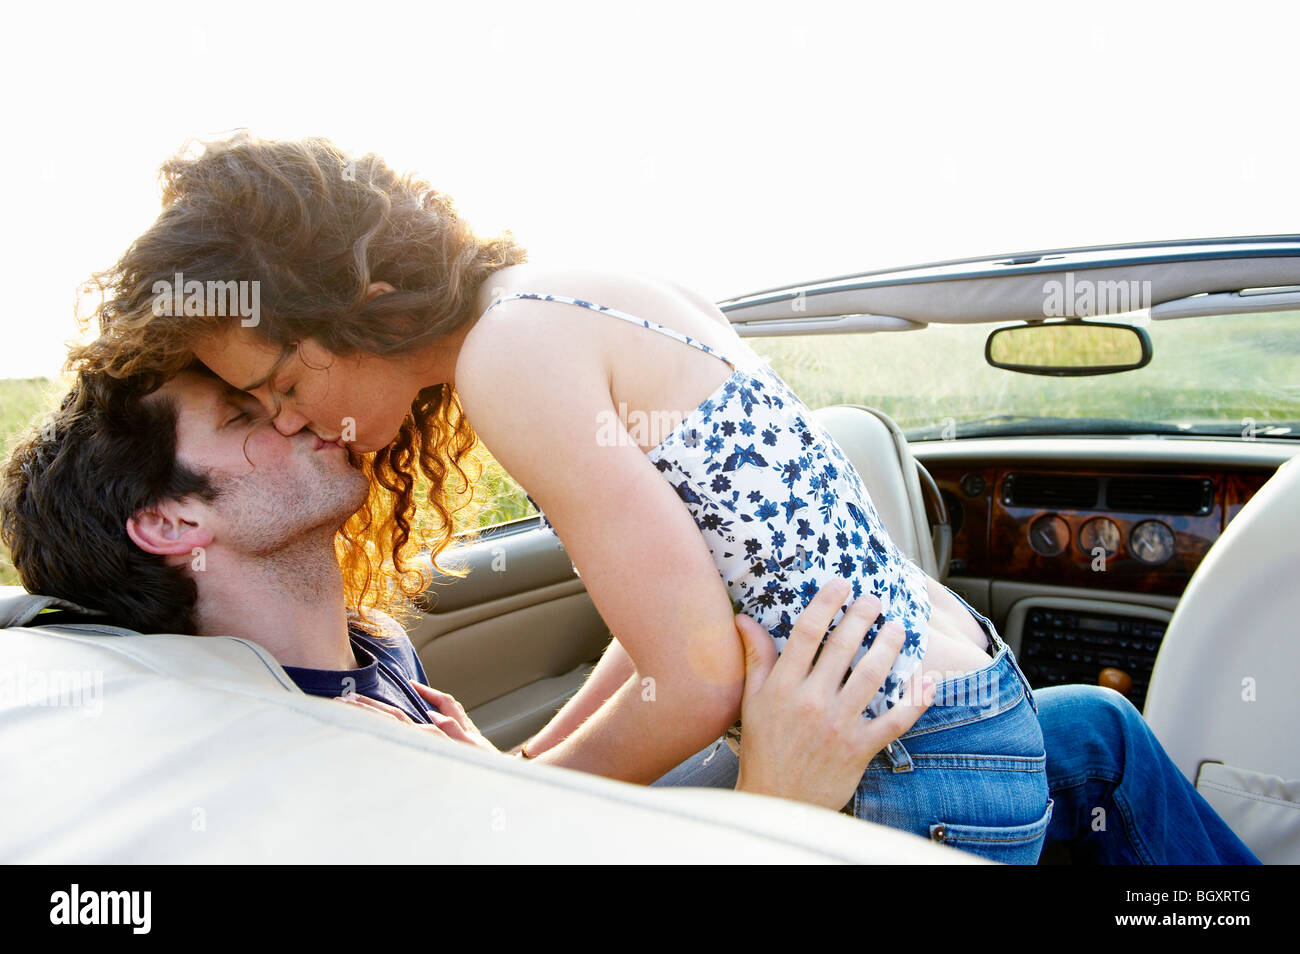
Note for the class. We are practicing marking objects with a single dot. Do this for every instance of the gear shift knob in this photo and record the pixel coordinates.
(1116, 679)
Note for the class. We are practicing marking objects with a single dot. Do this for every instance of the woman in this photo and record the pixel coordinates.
(381, 316)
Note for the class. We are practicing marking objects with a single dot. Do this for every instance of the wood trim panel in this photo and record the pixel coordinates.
(993, 540)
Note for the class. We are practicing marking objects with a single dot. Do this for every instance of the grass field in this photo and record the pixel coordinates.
(21, 402)
(1234, 370)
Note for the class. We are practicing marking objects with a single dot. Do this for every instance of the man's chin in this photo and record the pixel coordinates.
(338, 479)
(354, 457)
(361, 490)
(350, 501)
(329, 458)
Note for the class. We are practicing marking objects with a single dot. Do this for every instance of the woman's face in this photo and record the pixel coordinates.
(359, 400)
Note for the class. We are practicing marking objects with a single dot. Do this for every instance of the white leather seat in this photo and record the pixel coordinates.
(1223, 699)
(128, 748)
(876, 447)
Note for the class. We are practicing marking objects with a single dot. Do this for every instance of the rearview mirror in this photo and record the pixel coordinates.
(1068, 348)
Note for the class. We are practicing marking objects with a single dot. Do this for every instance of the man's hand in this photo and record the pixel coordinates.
(804, 734)
(451, 717)
(449, 722)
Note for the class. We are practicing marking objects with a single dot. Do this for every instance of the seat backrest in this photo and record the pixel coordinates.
(119, 747)
(876, 447)
(1223, 689)
(1224, 684)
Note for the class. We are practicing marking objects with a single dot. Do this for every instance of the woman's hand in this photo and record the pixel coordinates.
(449, 722)
(804, 734)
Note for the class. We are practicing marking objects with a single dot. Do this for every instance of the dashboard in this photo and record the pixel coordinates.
(1146, 529)
(1098, 538)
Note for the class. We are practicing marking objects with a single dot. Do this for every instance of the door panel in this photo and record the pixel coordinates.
(513, 639)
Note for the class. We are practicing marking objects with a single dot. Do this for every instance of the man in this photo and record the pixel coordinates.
(174, 513)
(180, 509)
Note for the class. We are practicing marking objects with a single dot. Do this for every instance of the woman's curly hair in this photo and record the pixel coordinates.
(315, 226)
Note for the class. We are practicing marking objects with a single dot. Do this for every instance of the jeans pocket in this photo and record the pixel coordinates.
(1010, 844)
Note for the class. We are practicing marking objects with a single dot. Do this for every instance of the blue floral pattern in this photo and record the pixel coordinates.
(781, 508)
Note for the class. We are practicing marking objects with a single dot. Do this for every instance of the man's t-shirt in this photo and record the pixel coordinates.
(385, 666)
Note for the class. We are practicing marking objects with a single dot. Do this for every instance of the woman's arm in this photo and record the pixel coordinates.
(614, 669)
(643, 560)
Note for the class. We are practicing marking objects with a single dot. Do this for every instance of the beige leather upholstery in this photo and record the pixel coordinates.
(120, 747)
(1224, 686)
(876, 447)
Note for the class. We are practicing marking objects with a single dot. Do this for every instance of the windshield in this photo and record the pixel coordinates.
(1222, 375)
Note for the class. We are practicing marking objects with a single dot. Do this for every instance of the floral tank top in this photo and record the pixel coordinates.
(781, 508)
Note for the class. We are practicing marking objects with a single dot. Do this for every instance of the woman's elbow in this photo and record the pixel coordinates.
(718, 667)
(726, 708)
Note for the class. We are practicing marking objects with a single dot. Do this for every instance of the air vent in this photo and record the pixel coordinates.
(1050, 491)
(1193, 495)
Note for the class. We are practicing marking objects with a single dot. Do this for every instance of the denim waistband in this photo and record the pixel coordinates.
(999, 646)
(968, 697)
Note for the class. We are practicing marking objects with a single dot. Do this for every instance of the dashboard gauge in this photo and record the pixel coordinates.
(1151, 542)
(1099, 532)
(1049, 535)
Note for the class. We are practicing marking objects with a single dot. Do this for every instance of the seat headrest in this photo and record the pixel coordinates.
(18, 607)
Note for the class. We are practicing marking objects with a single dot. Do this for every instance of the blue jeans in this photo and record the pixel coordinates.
(1114, 796)
(972, 771)
(1119, 798)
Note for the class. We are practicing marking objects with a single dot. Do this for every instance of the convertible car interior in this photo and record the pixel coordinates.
(1159, 561)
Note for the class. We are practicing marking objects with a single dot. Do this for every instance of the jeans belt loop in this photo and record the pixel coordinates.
(898, 757)
(990, 630)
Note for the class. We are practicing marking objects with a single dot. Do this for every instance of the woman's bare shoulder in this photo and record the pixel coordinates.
(508, 320)
(644, 294)
(529, 331)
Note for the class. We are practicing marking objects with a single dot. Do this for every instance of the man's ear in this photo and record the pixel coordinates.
(378, 288)
(170, 528)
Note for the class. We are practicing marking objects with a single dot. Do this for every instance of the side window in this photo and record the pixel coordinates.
(498, 499)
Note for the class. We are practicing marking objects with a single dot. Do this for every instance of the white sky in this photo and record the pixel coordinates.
(733, 146)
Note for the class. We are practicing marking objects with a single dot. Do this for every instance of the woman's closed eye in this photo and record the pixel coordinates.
(279, 388)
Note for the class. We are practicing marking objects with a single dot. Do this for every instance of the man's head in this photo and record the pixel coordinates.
(128, 495)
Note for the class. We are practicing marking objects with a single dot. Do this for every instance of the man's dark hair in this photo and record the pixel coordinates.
(71, 483)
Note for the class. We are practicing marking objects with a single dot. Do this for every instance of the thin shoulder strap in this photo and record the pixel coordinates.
(645, 323)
